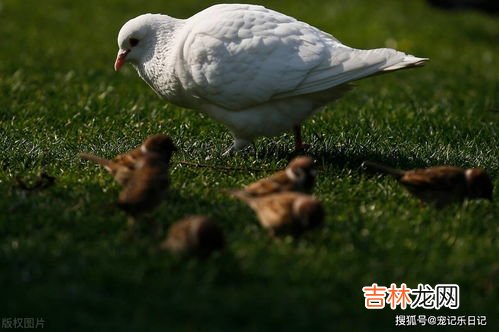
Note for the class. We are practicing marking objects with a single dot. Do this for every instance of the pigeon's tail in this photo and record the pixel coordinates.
(95, 159)
(407, 61)
(382, 60)
(396, 173)
(350, 65)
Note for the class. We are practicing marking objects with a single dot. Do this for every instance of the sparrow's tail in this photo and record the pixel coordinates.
(238, 193)
(95, 159)
(396, 173)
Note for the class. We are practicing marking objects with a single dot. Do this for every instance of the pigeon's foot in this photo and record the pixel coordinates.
(229, 151)
(238, 144)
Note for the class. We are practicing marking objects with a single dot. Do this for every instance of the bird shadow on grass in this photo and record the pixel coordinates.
(348, 159)
(342, 157)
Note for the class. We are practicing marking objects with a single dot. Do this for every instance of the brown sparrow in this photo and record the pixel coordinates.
(441, 185)
(122, 166)
(299, 176)
(194, 235)
(285, 212)
(146, 186)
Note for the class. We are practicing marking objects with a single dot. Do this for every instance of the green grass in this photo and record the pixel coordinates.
(63, 251)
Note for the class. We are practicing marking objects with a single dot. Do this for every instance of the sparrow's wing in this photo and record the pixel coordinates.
(138, 188)
(144, 188)
(274, 211)
(129, 159)
(178, 237)
(272, 184)
(434, 179)
(262, 187)
(238, 56)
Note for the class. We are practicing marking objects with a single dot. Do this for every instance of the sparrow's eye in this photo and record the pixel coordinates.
(134, 42)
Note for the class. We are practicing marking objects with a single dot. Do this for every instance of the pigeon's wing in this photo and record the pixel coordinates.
(348, 64)
(238, 56)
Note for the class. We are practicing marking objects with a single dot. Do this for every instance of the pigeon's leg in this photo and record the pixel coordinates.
(299, 145)
(229, 151)
(253, 145)
(238, 144)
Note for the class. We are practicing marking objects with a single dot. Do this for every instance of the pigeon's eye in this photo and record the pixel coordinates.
(134, 42)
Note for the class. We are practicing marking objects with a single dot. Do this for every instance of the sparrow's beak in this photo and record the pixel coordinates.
(120, 59)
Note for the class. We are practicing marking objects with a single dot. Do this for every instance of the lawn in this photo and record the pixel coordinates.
(64, 253)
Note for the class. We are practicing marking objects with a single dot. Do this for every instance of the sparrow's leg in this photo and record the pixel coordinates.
(299, 145)
(156, 228)
(131, 228)
(273, 233)
(131, 222)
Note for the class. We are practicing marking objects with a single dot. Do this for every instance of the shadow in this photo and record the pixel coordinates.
(344, 158)
(278, 152)
(485, 6)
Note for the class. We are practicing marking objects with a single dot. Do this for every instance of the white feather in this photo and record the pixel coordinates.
(257, 71)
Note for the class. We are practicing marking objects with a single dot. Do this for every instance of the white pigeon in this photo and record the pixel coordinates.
(257, 71)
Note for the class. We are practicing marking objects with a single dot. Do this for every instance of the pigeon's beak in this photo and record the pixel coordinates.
(120, 59)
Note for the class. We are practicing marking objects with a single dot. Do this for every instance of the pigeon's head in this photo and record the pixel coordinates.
(136, 38)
